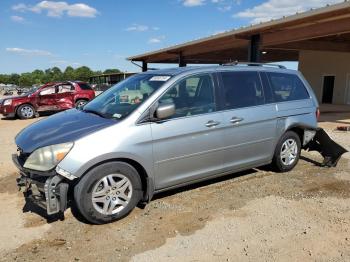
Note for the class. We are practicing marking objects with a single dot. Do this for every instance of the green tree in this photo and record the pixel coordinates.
(4, 79)
(26, 79)
(69, 73)
(83, 73)
(111, 71)
(14, 79)
(57, 74)
(38, 76)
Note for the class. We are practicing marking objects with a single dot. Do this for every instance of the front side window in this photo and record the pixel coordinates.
(191, 96)
(242, 89)
(48, 91)
(123, 98)
(287, 87)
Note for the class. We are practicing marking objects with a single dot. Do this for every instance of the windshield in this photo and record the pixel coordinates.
(31, 90)
(123, 98)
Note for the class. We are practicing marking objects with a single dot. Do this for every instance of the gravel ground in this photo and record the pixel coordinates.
(257, 215)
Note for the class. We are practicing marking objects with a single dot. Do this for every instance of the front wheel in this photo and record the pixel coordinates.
(25, 112)
(108, 192)
(287, 152)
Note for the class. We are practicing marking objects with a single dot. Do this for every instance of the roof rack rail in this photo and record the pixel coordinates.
(253, 64)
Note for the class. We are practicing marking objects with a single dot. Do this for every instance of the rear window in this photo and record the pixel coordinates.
(85, 86)
(287, 87)
(242, 89)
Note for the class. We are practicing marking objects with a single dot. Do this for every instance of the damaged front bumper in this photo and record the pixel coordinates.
(47, 190)
(329, 149)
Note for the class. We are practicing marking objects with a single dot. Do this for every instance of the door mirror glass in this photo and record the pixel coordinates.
(165, 110)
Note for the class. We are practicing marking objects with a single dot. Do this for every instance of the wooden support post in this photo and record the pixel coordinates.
(254, 49)
(144, 66)
(182, 62)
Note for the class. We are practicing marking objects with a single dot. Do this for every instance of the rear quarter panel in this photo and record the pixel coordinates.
(301, 113)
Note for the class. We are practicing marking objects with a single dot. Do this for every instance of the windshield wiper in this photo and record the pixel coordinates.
(94, 112)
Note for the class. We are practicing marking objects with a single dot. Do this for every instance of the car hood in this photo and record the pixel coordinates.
(67, 126)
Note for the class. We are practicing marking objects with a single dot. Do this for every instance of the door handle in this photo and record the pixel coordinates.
(212, 123)
(236, 120)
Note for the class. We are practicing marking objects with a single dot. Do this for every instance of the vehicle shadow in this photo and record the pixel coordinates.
(8, 118)
(309, 160)
(41, 114)
(29, 206)
(205, 183)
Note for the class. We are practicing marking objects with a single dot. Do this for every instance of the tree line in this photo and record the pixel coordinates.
(53, 74)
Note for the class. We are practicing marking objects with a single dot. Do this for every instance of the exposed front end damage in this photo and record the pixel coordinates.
(48, 191)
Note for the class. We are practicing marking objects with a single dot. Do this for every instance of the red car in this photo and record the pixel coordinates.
(49, 97)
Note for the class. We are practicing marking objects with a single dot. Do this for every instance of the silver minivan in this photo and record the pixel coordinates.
(164, 129)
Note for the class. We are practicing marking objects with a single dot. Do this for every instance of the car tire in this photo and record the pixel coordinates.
(26, 111)
(80, 103)
(287, 152)
(108, 192)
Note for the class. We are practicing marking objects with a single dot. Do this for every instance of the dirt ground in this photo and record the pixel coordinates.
(257, 215)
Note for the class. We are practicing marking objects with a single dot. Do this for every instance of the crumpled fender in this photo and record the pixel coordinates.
(330, 150)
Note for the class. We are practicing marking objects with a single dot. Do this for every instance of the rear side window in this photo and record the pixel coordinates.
(287, 87)
(85, 86)
(242, 89)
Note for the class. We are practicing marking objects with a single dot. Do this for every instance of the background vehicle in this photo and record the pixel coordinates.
(164, 129)
(23, 90)
(49, 97)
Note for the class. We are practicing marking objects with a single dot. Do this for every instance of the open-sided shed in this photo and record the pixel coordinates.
(319, 39)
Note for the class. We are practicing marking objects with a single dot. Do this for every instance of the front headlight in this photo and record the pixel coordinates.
(7, 102)
(46, 158)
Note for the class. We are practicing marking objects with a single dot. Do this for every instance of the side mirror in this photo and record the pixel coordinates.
(165, 110)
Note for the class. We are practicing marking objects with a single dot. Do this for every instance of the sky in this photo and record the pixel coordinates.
(102, 33)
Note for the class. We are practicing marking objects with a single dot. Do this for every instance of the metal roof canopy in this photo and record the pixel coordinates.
(325, 29)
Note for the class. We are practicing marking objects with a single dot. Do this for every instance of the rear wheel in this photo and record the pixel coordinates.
(287, 152)
(108, 192)
(25, 111)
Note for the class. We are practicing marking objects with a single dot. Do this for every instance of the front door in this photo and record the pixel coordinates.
(249, 122)
(47, 99)
(188, 145)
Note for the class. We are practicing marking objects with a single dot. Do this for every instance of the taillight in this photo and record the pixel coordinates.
(318, 113)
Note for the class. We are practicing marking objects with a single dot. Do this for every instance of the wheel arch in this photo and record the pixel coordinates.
(22, 104)
(299, 130)
(81, 98)
(146, 180)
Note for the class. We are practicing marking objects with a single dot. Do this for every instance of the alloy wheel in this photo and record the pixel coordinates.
(27, 112)
(289, 152)
(111, 194)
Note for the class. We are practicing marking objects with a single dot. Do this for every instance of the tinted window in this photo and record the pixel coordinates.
(192, 96)
(242, 89)
(287, 87)
(85, 86)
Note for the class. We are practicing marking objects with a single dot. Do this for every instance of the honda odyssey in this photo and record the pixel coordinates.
(164, 129)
